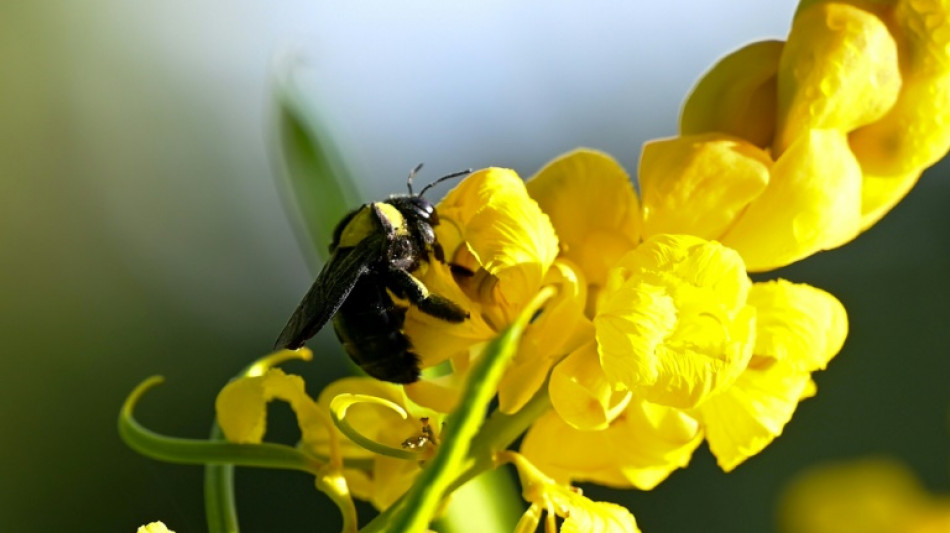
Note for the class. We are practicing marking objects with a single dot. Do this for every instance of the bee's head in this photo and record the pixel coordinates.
(415, 205)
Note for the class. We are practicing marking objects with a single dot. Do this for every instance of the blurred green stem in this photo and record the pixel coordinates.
(416, 509)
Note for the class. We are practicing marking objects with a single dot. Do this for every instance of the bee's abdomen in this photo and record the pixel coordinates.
(369, 325)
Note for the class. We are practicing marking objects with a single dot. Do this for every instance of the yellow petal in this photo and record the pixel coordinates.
(913, 135)
(665, 439)
(375, 422)
(737, 97)
(838, 70)
(699, 184)
(504, 230)
(154, 527)
(879, 194)
(925, 35)
(360, 483)
(580, 514)
(672, 324)
(241, 405)
(744, 419)
(391, 479)
(797, 324)
(639, 449)
(580, 392)
(434, 340)
(594, 209)
(812, 203)
(442, 393)
(558, 330)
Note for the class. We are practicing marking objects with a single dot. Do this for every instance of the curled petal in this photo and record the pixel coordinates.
(559, 328)
(812, 203)
(699, 184)
(492, 228)
(593, 207)
(339, 406)
(838, 70)
(639, 449)
(913, 135)
(925, 30)
(672, 323)
(241, 405)
(505, 232)
(881, 193)
(797, 324)
(737, 97)
(744, 419)
(581, 394)
(378, 412)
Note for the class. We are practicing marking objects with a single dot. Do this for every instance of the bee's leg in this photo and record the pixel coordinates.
(405, 285)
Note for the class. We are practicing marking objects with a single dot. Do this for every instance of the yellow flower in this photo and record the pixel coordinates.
(154, 527)
(502, 249)
(640, 447)
(241, 407)
(661, 342)
(672, 324)
(865, 496)
(579, 513)
(388, 478)
(798, 330)
(379, 479)
(592, 206)
(790, 148)
(686, 347)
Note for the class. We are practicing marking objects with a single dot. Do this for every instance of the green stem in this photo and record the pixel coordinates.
(498, 433)
(197, 451)
(415, 510)
(220, 507)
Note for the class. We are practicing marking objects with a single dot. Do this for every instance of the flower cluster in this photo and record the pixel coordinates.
(788, 148)
(639, 332)
(651, 344)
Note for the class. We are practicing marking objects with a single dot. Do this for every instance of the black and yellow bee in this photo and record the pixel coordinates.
(375, 250)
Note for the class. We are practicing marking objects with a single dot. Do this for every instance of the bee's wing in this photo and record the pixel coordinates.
(329, 291)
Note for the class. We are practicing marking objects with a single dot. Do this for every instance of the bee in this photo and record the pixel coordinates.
(375, 250)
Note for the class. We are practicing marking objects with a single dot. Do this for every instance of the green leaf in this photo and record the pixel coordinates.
(319, 187)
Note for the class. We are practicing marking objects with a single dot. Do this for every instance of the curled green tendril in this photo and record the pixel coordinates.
(338, 408)
(196, 451)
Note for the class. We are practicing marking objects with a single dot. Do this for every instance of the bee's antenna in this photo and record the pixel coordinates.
(443, 178)
(412, 174)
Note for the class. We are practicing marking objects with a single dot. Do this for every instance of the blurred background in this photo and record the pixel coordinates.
(142, 230)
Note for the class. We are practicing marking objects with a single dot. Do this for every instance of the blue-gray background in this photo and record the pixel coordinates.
(142, 232)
